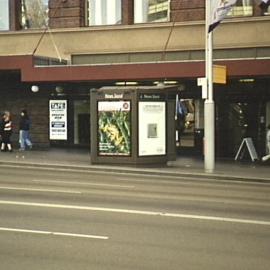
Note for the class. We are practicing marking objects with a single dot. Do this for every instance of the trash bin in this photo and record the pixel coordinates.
(199, 140)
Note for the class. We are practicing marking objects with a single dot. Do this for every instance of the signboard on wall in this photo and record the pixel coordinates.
(114, 136)
(58, 119)
(152, 128)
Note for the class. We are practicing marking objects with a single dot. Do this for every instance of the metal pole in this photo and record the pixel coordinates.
(209, 105)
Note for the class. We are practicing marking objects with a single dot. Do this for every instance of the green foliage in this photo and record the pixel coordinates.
(114, 133)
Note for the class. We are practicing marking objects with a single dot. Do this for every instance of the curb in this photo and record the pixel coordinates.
(140, 171)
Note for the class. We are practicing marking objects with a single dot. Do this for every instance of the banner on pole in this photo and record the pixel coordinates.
(219, 10)
(264, 4)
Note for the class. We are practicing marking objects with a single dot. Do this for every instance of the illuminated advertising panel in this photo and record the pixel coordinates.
(152, 128)
(114, 136)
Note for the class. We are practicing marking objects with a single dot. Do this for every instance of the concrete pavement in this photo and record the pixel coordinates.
(183, 166)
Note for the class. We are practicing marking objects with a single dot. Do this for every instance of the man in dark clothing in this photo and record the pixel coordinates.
(1, 127)
(24, 127)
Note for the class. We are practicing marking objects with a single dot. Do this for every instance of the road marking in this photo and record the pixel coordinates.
(41, 190)
(139, 212)
(82, 183)
(187, 177)
(55, 233)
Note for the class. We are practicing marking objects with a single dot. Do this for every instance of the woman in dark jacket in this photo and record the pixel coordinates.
(6, 131)
(24, 126)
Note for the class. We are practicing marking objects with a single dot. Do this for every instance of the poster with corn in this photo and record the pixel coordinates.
(114, 128)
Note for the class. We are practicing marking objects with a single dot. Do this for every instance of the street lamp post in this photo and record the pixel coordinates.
(209, 104)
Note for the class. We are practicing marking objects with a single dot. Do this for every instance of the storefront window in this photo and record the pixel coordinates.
(242, 8)
(268, 11)
(4, 15)
(151, 11)
(104, 12)
(34, 14)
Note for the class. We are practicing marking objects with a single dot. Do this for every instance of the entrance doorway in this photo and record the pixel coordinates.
(81, 122)
(235, 122)
(185, 123)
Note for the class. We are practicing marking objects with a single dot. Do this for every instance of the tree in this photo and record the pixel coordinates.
(34, 14)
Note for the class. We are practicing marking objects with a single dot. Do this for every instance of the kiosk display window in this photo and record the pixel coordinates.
(114, 136)
(152, 128)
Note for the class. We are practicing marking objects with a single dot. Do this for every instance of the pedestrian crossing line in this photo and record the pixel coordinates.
(54, 233)
(139, 212)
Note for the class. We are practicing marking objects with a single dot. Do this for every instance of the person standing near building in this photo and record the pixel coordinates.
(266, 157)
(1, 127)
(6, 132)
(24, 126)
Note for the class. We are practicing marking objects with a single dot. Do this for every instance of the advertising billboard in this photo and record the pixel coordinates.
(114, 136)
(152, 128)
(58, 120)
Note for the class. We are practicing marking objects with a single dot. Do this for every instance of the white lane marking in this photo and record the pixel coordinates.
(82, 183)
(139, 212)
(55, 233)
(41, 190)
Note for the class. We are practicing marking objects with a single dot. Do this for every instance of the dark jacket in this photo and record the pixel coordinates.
(24, 123)
(1, 127)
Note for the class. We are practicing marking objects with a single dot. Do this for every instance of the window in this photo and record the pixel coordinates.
(268, 11)
(34, 14)
(104, 12)
(151, 11)
(4, 15)
(242, 8)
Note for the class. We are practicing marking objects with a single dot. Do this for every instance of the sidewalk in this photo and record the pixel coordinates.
(183, 166)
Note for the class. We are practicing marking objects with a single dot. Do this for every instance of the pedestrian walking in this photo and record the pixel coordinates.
(1, 127)
(6, 132)
(266, 157)
(24, 126)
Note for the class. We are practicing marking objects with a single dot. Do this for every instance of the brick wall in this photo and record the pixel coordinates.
(127, 11)
(37, 108)
(72, 13)
(67, 13)
(15, 15)
(187, 10)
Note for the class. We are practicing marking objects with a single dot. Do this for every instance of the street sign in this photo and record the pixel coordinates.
(248, 142)
(219, 74)
(203, 83)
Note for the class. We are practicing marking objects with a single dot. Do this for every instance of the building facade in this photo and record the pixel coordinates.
(68, 47)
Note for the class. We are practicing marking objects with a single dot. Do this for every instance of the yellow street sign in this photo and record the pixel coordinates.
(219, 74)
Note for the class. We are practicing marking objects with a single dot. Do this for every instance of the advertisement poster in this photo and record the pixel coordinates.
(114, 128)
(152, 128)
(58, 119)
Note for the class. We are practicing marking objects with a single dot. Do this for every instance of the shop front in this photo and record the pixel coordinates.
(242, 105)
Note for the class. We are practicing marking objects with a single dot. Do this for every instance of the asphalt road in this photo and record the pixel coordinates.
(60, 219)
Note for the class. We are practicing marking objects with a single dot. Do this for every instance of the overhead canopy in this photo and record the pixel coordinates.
(55, 72)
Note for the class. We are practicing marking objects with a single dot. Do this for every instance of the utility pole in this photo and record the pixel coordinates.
(209, 104)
